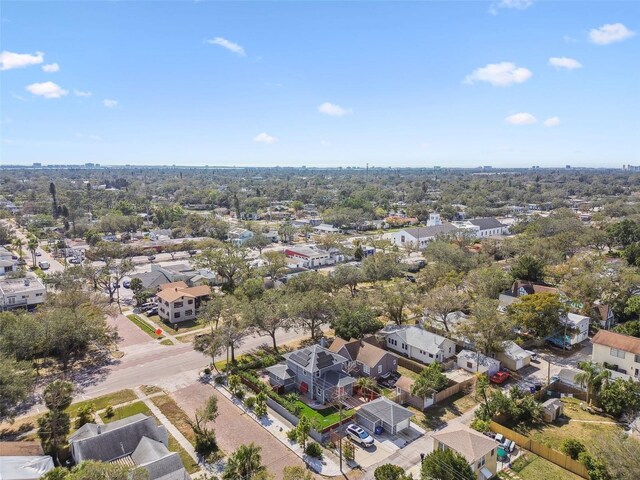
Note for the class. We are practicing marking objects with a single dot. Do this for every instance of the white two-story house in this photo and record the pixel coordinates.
(179, 303)
(419, 344)
(27, 292)
(617, 351)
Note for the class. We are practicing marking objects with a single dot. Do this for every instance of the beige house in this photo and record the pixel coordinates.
(178, 303)
(621, 352)
(479, 450)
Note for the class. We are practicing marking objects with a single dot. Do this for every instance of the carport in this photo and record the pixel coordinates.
(382, 412)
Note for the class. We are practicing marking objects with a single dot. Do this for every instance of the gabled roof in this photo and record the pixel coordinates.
(25, 467)
(467, 442)
(419, 338)
(314, 358)
(487, 223)
(156, 458)
(180, 284)
(617, 340)
(430, 231)
(514, 351)
(359, 350)
(405, 383)
(114, 440)
(151, 279)
(477, 357)
(385, 410)
(531, 287)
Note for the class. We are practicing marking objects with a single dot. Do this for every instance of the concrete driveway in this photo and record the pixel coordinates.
(233, 428)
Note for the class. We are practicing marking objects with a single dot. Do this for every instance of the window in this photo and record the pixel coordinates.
(469, 365)
(404, 346)
(617, 353)
(379, 369)
(493, 451)
(190, 302)
(38, 294)
(395, 361)
(431, 355)
(189, 312)
(317, 373)
(178, 304)
(366, 369)
(637, 359)
(176, 315)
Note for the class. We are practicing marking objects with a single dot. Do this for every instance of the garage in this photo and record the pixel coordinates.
(384, 413)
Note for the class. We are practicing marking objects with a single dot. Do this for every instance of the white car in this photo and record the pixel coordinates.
(359, 435)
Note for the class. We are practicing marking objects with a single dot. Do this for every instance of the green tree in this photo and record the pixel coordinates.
(302, 431)
(442, 301)
(276, 263)
(381, 266)
(348, 276)
(572, 447)
(92, 470)
(16, 383)
(32, 245)
(388, 471)
(592, 376)
(487, 282)
(268, 315)
(54, 425)
(446, 465)
(311, 310)
(85, 415)
(539, 313)
(631, 328)
(528, 267)
(228, 261)
(205, 437)
(485, 328)
(260, 408)
(354, 319)
(245, 463)
(258, 241)
(210, 343)
(395, 299)
(430, 380)
(620, 396)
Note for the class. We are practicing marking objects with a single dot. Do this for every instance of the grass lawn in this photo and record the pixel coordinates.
(553, 435)
(176, 415)
(182, 326)
(189, 464)
(324, 418)
(407, 373)
(127, 411)
(104, 401)
(150, 389)
(532, 467)
(448, 409)
(144, 326)
(166, 341)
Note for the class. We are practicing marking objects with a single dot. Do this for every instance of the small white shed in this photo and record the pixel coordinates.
(477, 363)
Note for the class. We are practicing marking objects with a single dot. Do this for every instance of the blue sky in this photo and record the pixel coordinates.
(321, 84)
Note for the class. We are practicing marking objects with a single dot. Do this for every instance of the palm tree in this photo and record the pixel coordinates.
(592, 376)
(244, 463)
(367, 383)
(32, 245)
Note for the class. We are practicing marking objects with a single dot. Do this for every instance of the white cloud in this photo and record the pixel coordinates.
(46, 90)
(500, 74)
(110, 103)
(10, 60)
(610, 33)
(334, 110)
(521, 119)
(229, 45)
(51, 68)
(512, 4)
(551, 122)
(564, 62)
(265, 138)
(80, 93)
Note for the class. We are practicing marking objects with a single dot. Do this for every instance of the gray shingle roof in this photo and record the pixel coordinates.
(158, 460)
(151, 279)
(115, 439)
(314, 358)
(336, 378)
(281, 371)
(487, 223)
(385, 410)
(430, 231)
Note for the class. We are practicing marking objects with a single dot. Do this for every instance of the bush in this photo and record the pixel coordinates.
(480, 425)
(314, 450)
(205, 443)
(109, 412)
(388, 471)
(220, 379)
(250, 402)
(239, 394)
(292, 435)
(207, 371)
(348, 451)
(573, 448)
(85, 415)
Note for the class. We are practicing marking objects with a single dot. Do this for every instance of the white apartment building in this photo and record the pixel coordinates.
(24, 292)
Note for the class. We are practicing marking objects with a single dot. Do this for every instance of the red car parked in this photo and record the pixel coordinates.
(500, 377)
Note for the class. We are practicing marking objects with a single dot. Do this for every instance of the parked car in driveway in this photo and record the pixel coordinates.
(126, 284)
(500, 377)
(152, 311)
(359, 435)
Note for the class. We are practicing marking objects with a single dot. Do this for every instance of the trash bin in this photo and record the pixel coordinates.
(378, 430)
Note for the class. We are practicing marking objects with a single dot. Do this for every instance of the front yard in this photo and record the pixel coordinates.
(446, 410)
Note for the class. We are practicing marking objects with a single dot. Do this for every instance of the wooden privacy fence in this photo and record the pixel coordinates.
(543, 451)
(409, 364)
(453, 389)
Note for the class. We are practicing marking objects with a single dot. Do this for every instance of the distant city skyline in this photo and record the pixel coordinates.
(505, 83)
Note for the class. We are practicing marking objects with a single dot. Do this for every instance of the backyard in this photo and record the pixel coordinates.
(448, 409)
(532, 467)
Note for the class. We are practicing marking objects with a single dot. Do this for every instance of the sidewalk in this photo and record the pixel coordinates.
(278, 428)
(146, 320)
(184, 443)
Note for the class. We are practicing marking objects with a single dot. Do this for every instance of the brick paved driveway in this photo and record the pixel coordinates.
(234, 429)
